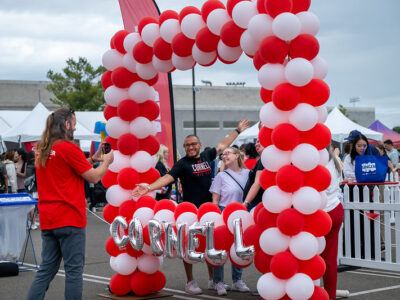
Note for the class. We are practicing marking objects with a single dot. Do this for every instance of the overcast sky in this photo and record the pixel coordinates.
(358, 38)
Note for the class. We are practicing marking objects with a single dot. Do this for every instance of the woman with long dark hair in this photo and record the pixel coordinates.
(358, 147)
(20, 165)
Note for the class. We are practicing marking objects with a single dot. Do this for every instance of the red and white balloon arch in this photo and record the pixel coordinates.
(287, 228)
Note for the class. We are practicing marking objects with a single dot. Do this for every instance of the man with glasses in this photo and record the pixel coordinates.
(195, 174)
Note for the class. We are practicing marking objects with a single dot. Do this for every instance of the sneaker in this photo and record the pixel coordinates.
(211, 285)
(192, 288)
(220, 288)
(240, 286)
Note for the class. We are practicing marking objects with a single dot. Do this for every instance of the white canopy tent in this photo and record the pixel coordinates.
(247, 136)
(31, 127)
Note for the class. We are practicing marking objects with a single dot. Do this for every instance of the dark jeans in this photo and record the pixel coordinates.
(66, 243)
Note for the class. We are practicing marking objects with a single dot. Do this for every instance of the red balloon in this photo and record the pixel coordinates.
(141, 284)
(182, 45)
(128, 178)
(106, 79)
(206, 208)
(110, 212)
(300, 5)
(258, 60)
(150, 176)
(230, 4)
(206, 40)
(223, 238)
(128, 110)
(231, 33)
(109, 179)
(266, 219)
(123, 78)
(314, 267)
(251, 236)
(285, 136)
(286, 96)
(319, 136)
(109, 112)
(149, 144)
(162, 49)
(127, 209)
(257, 210)
(276, 7)
(226, 62)
(262, 261)
(230, 208)
(112, 142)
(290, 222)
(318, 223)
(111, 248)
(284, 265)
(112, 43)
(144, 21)
(265, 95)
(260, 7)
(146, 201)
(265, 136)
(120, 285)
(209, 6)
(316, 92)
(267, 179)
(168, 14)
(185, 207)
(273, 50)
(187, 11)
(305, 46)
(164, 204)
(289, 178)
(158, 279)
(133, 252)
(318, 178)
(149, 109)
(319, 294)
(142, 53)
(151, 81)
(128, 144)
(118, 40)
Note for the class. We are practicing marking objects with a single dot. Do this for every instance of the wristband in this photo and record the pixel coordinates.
(237, 130)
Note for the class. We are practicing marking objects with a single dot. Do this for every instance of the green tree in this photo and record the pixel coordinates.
(397, 129)
(78, 86)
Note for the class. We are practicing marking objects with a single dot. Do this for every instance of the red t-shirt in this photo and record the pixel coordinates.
(61, 187)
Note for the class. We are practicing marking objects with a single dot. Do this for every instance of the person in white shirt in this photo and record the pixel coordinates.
(359, 146)
(392, 153)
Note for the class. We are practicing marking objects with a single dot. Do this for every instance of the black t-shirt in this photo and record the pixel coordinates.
(166, 192)
(195, 175)
(252, 176)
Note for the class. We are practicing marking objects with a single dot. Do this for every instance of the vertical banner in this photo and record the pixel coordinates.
(132, 12)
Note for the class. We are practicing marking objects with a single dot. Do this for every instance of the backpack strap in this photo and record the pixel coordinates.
(234, 180)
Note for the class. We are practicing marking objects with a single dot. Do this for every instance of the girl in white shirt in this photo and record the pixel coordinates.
(358, 147)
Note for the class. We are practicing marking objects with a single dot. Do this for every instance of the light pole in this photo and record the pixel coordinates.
(194, 101)
(354, 100)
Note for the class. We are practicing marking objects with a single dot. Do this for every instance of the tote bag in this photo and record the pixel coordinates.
(371, 168)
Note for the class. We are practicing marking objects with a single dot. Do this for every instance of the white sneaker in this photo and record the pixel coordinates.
(211, 285)
(240, 286)
(192, 288)
(220, 288)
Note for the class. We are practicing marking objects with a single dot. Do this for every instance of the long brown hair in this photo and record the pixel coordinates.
(55, 130)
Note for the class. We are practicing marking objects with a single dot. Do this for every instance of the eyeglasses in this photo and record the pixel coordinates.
(227, 153)
(191, 145)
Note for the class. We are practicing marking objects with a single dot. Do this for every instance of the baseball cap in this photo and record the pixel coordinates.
(353, 135)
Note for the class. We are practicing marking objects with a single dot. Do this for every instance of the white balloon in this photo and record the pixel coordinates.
(112, 59)
(309, 22)
(275, 200)
(116, 127)
(140, 91)
(129, 62)
(322, 113)
(321, 244)
(248, 43)
(187, 217)
(203, 58)
(150, 33)
(130, 41)
(164, 215)
(299, 71)
(116, 195)
(227, 53)
(120, 162)
(323, 157)
(306, 200)
(164, 66)
(243, 12)
(236, 259)
(271, 75)
(304, 117)
(260, 26)
(300, 287)
(169, 29)
(247, 219)
(183, 63)
(304, 245)
(216, 19)
(113, 95)
(212, 217)
(149, 264)
(191, 24)
(320, 67)
(270, 287)
(305, 157)
(146, 71)
(144, 214)
(272, 241)
(141, 127)
(273, 159)
(123, 264)
(141, 161)
(270, 116)
(286, 26)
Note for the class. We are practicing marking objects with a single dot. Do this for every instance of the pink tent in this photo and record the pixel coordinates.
(388, 134)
